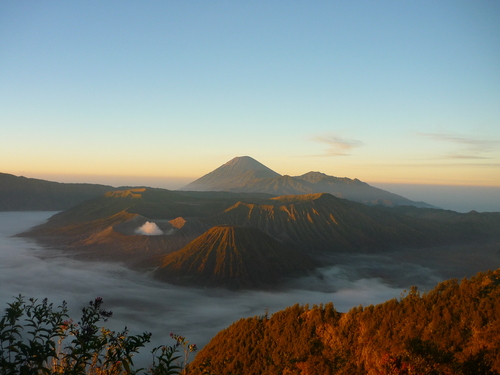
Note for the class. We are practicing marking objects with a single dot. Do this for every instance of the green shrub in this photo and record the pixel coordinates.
(36, 338)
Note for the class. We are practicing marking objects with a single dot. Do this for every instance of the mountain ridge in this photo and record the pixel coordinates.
(239, 175)
(451, 329)
(245, 174)
(19, 193)
(320, 226)
(322, 222)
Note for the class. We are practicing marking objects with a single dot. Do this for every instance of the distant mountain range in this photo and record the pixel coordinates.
(239, 175)
(245, 174)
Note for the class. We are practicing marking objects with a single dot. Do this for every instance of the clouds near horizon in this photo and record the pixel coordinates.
(467, 147)
(337, 146)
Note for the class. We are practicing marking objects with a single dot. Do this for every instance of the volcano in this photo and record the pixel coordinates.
(235, 173)
(233, 257)
(246, 175)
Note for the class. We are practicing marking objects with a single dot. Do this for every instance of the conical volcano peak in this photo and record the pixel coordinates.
(244, 174)
(246, 163)
(235, 257)
(236, 171)
(240, 165)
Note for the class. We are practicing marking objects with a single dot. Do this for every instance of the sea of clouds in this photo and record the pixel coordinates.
(143, 304)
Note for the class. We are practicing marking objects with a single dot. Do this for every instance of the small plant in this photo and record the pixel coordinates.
(36, 338)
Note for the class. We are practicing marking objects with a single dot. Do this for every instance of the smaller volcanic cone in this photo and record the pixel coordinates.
(233, 257)
(149, 229)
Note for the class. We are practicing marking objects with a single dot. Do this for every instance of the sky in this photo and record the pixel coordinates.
(159, 93)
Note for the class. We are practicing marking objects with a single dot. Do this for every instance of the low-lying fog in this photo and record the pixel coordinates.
(143, 304)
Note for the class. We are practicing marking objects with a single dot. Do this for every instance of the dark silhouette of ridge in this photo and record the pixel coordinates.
(31, 194)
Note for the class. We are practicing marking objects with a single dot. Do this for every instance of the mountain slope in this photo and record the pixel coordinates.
(318, 225)
(452, 329)
(322, 223)
(355, 190)
(233, 257)
(30, 194)
(244, 174)
(105, 227)
(235, 172)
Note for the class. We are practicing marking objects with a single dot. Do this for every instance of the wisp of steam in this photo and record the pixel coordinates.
(149, 229)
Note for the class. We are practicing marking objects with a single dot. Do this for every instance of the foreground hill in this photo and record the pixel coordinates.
(233, 257)
(453, 329)
(30, 194)
(245, 174)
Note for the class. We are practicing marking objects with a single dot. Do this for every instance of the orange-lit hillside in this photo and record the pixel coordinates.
(322, 222)
(129, 193)
(452, 330)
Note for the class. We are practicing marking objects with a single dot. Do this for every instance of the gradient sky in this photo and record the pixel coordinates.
(162, 92)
